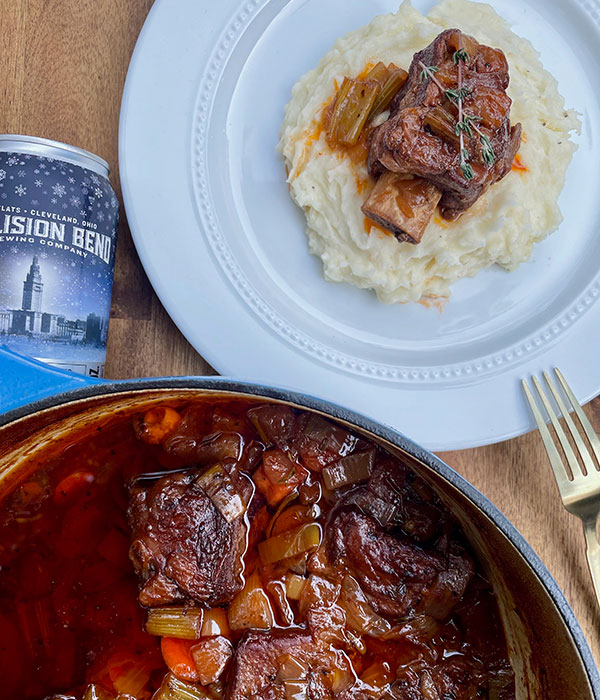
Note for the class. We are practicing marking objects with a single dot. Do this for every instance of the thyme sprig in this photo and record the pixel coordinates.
(465, 166)
(467, 123)
(458, 94)
(427, 71)
(460, 55)
(487, 152)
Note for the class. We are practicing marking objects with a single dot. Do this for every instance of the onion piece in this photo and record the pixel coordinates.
(211, 656)
(360, 615)
(290, 543)
(376, 677)
(294, 585)
(356, 642)
(296, 690)
(299, 565)
(293, 517)
(219, 447)
(215, 623)
(420, 629)
(324, 443)
(352, 469)
(276, 589)
(291, 668)
(96, 692)
(217, 485)
(342, 676)
(286, 501)
(175, 621)
(251, 607)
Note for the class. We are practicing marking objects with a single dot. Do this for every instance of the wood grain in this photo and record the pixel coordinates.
(62, 73)
(61, 76)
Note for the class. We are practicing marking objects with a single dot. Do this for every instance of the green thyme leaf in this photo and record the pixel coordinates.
(487, 151)
(427, 71)
(463, 126)
(461, 55)
(467, 171)
(458, 94)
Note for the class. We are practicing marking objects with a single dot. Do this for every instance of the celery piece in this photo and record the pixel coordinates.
(351, 110)
(442, 124)
(379, 72)
(174, 689)
(290, 543)
(175, 621)
(349, 470)
(391, 86)
(97, 692)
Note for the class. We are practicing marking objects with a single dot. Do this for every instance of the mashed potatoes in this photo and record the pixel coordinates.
(503, 224)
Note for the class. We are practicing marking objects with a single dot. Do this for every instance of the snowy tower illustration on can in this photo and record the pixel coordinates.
(58, 229)
(32, 288)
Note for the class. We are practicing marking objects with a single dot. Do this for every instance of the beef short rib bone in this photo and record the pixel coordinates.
(402, 205)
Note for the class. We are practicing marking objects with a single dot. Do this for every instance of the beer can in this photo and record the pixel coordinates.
(58, 228)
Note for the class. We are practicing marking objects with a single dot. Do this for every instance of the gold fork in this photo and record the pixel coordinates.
(579, 479)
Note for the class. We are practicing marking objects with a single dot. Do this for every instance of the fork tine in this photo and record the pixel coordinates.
(568, 450)
(587, 426)
(560, 473)
(584, 453)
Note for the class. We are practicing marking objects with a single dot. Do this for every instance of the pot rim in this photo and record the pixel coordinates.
(380, 430)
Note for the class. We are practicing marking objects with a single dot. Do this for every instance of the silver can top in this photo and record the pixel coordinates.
(38, 146)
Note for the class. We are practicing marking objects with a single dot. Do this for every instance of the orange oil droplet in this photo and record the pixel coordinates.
(518, 164)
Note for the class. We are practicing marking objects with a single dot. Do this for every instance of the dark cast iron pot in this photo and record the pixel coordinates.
(551, 658)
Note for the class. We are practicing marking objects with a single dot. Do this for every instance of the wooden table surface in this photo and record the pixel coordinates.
(61, 76)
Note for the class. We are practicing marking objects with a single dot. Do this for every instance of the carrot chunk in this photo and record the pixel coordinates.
(177, 654)
(156, 424)
(278, 476)
(72, 485)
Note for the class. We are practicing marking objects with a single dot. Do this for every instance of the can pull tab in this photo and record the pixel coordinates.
(24, 381)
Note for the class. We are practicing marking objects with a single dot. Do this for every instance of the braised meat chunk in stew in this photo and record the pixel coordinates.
(449, 123)
(237, 550)
(185, 548)
(397, 576)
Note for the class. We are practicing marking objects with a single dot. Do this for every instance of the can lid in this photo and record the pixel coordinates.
(37, 145)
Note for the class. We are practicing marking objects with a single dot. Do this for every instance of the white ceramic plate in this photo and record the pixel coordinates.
(225, 249)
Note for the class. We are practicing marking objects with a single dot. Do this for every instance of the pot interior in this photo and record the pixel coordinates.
(542, 650)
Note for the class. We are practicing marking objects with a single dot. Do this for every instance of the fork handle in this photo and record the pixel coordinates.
(593, 552)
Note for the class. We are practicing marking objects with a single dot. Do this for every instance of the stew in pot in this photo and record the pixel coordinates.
(238, 550)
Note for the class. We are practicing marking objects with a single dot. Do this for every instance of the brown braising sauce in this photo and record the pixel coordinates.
(238, 550)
